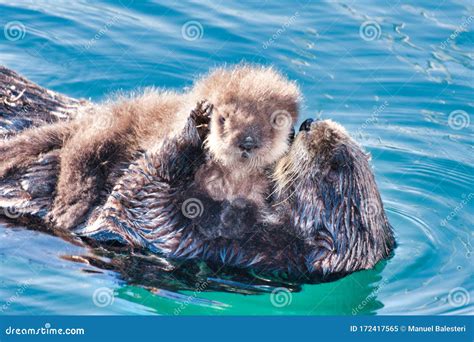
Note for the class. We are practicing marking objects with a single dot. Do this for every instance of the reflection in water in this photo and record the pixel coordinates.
(179, 287)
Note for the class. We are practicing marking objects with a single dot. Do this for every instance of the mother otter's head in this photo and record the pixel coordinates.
(330, 197)
(255, 108)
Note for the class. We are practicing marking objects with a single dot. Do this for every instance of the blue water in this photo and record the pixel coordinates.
(397, 74)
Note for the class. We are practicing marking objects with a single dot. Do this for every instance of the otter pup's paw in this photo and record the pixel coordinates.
(201, 115)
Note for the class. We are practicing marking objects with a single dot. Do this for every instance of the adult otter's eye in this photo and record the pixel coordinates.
(221, 120)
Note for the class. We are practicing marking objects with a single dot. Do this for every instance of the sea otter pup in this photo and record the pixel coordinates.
(254, 107)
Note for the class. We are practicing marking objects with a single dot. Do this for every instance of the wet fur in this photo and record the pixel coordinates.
(326, 192)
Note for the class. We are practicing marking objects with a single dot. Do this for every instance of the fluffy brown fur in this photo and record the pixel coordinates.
(254, 111)
(254, 101)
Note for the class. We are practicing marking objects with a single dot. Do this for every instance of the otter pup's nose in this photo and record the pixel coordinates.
(248, 144)
(306, 125)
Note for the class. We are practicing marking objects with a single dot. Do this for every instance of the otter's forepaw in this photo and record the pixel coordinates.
(201, 115)
(202, 111)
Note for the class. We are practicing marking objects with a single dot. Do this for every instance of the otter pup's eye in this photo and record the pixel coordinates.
(221, 120)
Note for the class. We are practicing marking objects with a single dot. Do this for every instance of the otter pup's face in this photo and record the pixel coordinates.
(249, 134)
(253, 115)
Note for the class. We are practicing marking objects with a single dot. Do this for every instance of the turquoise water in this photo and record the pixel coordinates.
(398, 75)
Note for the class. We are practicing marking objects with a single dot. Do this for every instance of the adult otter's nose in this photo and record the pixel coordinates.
(248, 144)
(306, 125)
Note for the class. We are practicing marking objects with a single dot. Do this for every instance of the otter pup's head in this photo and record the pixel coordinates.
(254, 111)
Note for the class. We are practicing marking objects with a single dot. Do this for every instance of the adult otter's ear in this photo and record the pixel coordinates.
(339, 164)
